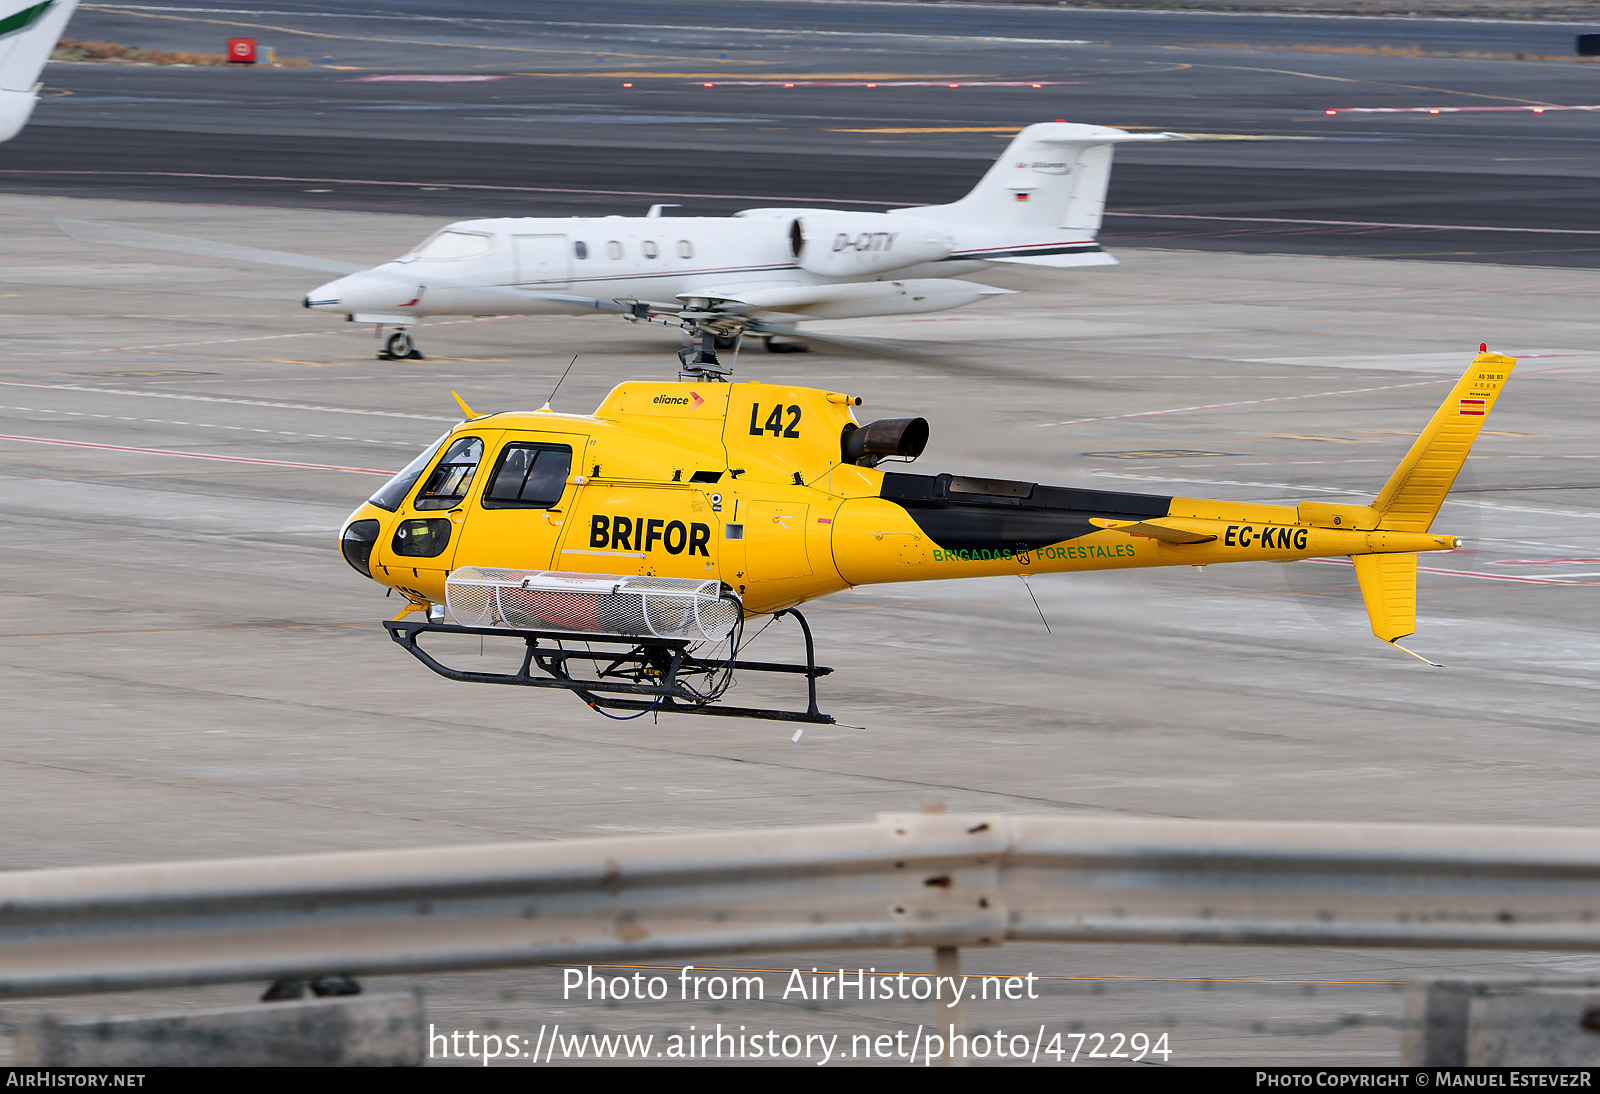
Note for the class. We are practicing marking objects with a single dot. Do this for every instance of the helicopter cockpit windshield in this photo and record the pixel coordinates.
(394, 492)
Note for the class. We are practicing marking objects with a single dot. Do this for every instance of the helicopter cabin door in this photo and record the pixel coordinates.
(519, 518)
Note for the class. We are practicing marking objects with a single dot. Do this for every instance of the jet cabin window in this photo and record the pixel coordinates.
(614, 249)
(448, 484)
(685, 249)
(529, 476)
(649, 248)
(448, 244)
(580, 249)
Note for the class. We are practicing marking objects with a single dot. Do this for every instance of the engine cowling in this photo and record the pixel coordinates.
(857, 244)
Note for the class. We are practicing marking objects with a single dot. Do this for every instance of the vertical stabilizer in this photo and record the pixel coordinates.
(1411, 498)
(29, 30)
(1051, 177)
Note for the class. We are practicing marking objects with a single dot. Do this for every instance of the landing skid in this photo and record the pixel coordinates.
(656, 672)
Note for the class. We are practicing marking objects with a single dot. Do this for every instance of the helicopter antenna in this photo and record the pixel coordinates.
(1040, 610)
(560, 382)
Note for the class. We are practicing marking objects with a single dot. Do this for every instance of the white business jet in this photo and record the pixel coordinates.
(759, 272)
(29, 30)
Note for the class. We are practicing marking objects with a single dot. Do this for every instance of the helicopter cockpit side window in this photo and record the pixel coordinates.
(447, 486)
(529, 476)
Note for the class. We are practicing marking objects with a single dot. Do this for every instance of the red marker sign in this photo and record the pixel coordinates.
(242, 51)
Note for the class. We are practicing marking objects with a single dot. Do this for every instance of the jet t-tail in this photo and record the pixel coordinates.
(29, 31)
(676, 512)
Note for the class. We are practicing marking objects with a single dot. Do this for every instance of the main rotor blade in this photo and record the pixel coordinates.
(866, 347)
(529, 294)
(113, 235)
(89, 231)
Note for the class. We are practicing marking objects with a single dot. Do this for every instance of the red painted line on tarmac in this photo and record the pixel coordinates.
(198, 455)
(885, 83)
(1246, 402)
(1544, 561)
(1365, 224)
(422, 79)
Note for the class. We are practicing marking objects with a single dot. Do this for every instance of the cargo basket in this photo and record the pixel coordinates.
(660, 607)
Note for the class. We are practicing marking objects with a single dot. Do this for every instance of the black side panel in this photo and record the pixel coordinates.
(1023, 518)
(968, 528)
(1107, 503)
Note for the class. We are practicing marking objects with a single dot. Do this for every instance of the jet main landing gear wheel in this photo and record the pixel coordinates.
(399, 347)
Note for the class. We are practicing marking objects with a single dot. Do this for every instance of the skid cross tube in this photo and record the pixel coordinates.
(667, 659)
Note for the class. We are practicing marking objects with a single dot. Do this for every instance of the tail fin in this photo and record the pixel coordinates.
(1051, 177)
(1411, 498)
(29, 30)
(1389, 589)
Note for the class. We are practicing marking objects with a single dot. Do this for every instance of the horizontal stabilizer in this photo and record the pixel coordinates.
(1160, 532)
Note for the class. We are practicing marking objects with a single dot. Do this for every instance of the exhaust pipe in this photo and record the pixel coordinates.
(868, 444)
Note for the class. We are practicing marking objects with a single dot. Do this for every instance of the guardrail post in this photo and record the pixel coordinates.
(947, 1019)
(1502, 1023)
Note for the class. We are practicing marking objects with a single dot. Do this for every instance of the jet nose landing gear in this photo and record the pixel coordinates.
(400, 347)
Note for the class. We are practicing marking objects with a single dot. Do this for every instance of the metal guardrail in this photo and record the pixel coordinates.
(927, 880)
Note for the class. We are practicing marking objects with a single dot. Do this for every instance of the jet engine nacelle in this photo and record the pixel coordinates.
(853, 244)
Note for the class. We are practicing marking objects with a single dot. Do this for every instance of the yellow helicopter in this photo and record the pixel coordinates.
(654, 527)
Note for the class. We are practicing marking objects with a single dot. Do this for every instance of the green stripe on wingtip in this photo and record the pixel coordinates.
(24, 18)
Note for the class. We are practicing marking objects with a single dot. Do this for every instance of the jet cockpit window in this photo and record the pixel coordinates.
(614, 249)
(395, 490)
(529, 476)
(452, 244)
(448, 484)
